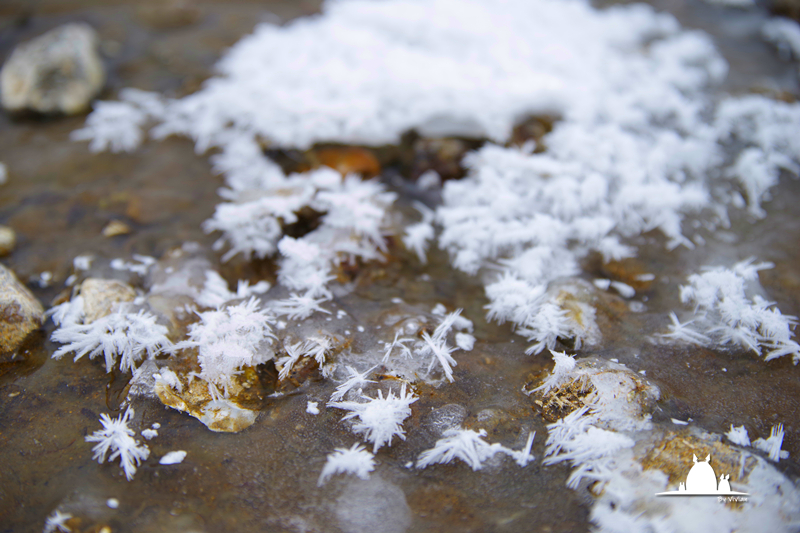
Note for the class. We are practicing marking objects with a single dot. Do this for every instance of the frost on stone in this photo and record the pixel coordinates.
(543, 314)
(352, 226)
(469, 446)
(117, 438)
(57, 523)
(379, 419)
(589, 449)
(355, 460)
(564, 365)
(616, 397)
(738, 436)
(229, 339)
(123, 337)
(772, 445)
(728, 312)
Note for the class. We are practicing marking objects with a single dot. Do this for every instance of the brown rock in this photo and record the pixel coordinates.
(631, 272)
(20, 312)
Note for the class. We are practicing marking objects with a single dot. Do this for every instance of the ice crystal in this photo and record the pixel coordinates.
(355, 380)
(355, 460)
(589, 449)
(230, 339)
(294, 352)
(173, 458)
(738, 436)
(379, 419)
(117, 126)
(298, 307)
(215, 290)
(469, 446)
(564, 365)
(57, 522)
(116, 437)
(785, 34)
(120, 336)
(772, 445)
(418, 235)
(727, 315)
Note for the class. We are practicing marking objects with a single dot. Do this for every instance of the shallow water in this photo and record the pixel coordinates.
(60, 196)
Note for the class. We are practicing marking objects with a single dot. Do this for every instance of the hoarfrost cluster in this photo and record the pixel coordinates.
(117, 438)
(469, 446)
(355, 460)
(379, 419)
(230, 338)
(434, 347)
(119, 336)
(725, 313)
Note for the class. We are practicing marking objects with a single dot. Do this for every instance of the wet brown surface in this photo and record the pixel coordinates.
(59, 197)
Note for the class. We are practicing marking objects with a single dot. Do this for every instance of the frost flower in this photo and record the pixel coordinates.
(469, 446)
(772, 445)
(728, 315)
(126, 337)
(116, 437)
(379, 419)
(356, 461)
(57, 522)
(229, 339)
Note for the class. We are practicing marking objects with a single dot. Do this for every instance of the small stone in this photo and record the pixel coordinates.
(349, 159)
(116, 227)
(8, 240)
(59, 72)
(223, 415)
(102, 296)
(169, 14)
(20, 312)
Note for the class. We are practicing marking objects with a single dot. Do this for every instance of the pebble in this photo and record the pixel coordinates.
(58, 72)
(116, 227)
(20, 312)
(8, 240)
(101, 296)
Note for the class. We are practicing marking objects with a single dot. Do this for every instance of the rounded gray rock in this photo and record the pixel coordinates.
(58, 72)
